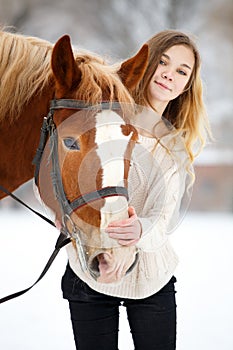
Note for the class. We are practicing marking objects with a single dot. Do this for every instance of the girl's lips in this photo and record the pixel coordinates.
(163, 86)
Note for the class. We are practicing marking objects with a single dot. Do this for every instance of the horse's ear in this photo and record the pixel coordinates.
(65, 70)
(132, 70)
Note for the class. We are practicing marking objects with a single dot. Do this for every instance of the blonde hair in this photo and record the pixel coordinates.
(187, 112)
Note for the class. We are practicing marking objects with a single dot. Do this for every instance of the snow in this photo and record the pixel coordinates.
(40, 318)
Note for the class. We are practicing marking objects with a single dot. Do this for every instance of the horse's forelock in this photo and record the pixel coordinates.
(101, 81)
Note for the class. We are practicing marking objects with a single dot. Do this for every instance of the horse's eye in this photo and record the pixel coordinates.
(71, 143)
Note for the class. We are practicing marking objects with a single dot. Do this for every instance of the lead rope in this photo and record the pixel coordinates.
(62, 241)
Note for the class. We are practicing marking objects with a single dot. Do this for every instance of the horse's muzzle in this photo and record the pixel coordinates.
(104, 266)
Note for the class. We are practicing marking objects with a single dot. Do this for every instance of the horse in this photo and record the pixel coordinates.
(45, 82)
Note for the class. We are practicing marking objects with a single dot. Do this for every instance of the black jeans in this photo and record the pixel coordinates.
(95, 317)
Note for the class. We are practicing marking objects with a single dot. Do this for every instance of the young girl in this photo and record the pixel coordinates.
(171, 122)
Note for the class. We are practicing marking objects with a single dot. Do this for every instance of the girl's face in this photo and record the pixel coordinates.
(171, 76)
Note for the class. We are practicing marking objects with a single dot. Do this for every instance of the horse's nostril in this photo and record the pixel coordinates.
(97, 260)
(94, 266)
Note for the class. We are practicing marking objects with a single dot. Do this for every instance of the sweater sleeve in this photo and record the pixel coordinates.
(158, 208)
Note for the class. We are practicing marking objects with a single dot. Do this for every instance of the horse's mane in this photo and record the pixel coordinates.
(25, 70)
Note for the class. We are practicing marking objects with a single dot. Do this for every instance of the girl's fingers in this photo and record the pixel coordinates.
(127, 232)
(122, 236)
(125, 222)
(128, 243)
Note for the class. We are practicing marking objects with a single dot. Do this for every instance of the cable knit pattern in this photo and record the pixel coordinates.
(157, 183)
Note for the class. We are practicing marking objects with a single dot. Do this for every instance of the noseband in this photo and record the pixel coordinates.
(49, 129)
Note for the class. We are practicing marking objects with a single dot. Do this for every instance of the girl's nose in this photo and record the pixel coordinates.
(167, 75)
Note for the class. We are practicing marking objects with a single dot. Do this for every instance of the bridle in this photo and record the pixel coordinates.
(49, 130)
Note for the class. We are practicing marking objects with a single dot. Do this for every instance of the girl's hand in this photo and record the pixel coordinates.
(127, 232)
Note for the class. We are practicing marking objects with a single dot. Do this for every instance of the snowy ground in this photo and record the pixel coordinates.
(40, 319)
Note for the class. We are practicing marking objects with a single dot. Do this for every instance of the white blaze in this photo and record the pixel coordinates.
(112, 145)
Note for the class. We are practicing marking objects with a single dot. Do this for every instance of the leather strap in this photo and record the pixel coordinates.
(3, 189)
(62, 241)
(95, 195)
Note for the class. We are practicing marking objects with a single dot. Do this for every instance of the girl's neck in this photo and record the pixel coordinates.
(159, 108)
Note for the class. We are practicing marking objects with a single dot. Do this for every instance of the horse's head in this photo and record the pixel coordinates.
(91, 150)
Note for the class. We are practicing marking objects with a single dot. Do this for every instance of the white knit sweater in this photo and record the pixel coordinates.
(157, 182)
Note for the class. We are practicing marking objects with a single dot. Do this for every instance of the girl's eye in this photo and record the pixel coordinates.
(162, 62)
(71, 144)
(180, 71)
